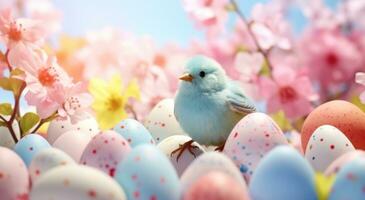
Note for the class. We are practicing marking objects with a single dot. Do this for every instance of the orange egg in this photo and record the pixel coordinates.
(341, 114)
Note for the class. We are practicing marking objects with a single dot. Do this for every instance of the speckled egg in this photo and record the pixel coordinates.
(59, 126)
(350, 181)
(341, 161)
(6, 139)
(47, 159)
(170, 144)
(208, 162)
(340, 114)
(29, 146)
(73, 143)
(325, 145)
(105, 151)
(76, 182)
(283, 174)
(161, 121)
(251, 138)
(216, 185)
(14, 181)
(146, 173)
(134, 132)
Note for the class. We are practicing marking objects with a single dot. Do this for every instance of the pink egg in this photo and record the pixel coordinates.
(251, 138)
(216, 186)
(73, 143)
(105, 151)
(14, 177)
(336, 165)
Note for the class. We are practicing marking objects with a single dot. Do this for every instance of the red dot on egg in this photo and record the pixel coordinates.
(37, 172)
(153, 197)
(235, 134)
(321, 140)
(94, 151)
(1, 175)
(106, 141)
(136, 194)
(267, 135)
(92, 193)
(122, 126)
(332, 146)
(30, 148)
(112, 172)
(129, 140)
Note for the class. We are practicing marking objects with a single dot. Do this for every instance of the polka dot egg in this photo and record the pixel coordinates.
(29, 146)
(161, 121)
(105, 151)
(14, 181)
(60, 126)
(251, 138)
(134, 132)
(47, 159)
(146, 173)
(326, 144)
(76, 182)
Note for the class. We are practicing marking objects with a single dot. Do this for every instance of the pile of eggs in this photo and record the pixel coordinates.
(135, 161)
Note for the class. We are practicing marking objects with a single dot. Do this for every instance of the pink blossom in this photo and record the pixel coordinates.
(330, 57)
(360, 79)
(288, 91)
(74, 101)
(207, 12)
(19, 31)
(42, 75)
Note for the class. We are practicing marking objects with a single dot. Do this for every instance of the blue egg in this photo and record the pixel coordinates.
(29, 146)
(134, 132)
(146, 173)
(350, 181)
(283, 174)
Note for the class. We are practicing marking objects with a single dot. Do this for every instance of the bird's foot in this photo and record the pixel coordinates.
(182, 147)
(220, 147)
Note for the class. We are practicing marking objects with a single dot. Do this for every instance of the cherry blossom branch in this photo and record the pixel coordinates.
(7, 60)
(131, 109)
(240, 14)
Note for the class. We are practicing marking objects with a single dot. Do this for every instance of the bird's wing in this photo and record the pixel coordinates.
(238, 102)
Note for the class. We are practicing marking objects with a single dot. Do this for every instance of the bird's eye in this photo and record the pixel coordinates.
(202, 74)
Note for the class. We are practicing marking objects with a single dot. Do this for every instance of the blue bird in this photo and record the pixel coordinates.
(208, 104)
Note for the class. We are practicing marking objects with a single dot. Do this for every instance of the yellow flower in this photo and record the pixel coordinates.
(323, 185)
(110, 100)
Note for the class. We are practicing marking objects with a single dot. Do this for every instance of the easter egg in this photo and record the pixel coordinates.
(105, 151)
(283, 174)
(29, 146)
(73, 143)
(59, 126)
(161, 121)
(170, 144)
(14, 181)
(47, 159)
(216, 186)
(6, 140)
(350, 181)
(340, 114)
(251, 138)
(134, 132)
(341, 161)
(325, 145)
(146, 173)
(208, 162)
(76, 182)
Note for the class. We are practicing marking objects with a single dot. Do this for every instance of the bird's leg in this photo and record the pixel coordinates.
(220, 147)
(182, 147)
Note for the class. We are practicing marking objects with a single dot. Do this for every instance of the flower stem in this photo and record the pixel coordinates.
(131, 109)
(240, 14)
(53, 116)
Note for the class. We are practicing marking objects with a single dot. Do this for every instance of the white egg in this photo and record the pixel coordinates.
(76, 182)
(47, 159)
(6, 140)
(73, 143)
(161, 121)
(170, 144)
(208, 162)
(326, 144)
(59, 126)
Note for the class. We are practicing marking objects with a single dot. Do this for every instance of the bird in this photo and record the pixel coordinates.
(208, 104)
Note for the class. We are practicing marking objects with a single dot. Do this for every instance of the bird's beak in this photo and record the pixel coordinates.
(186, 77)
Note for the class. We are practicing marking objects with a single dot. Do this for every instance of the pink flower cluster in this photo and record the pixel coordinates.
(48, 87)
(288, 71)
